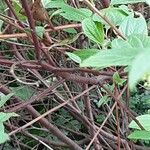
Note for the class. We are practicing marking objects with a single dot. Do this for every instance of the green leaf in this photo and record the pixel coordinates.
(93, 30)
(114, 14)
(40, 31)
(132, 25)
(1, 24)
(53, 3)
(70, 30)
(4, 98)
(117, 79)
(74, 57)
(86, 53)
(139, 67)
(3, 136)
(17, 8)
(113, 57)
(6, 116)
(144, 121)
(45, 3)
(145, 40)
(120, 43)
(100, 118)
(66, 11)
(140, 135)
(74, 14)
(115, 2)
(23, 92)
(2, 7)
(134, 41)
(102, 101)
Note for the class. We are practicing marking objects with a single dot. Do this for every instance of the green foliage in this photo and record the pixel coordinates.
(141, 134)
(23, 92)
(17, 7)
(140, 66)
(103, 100)
(115, 14)
(74, 57)
(66, 11)
(114, 2)
(113, 57)
(144, 121)
(117, 79)
(77, 15)
(133, 26)
(81, 55)
(86, 53)
(5, 98)
(53, 3)
(4, 117)
(40, 31)
(65, 120)
(122, 53)
(105, 49)
(3, 136)
(133, 52)
(93, 30)
(70, 30)
(2, 7)
(1, 24)
(140, 102)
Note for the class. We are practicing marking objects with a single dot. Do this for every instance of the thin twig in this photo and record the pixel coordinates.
(95, 10)
(24, 35)
(50, 111)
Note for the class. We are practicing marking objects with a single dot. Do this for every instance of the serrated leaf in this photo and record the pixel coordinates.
(139, 67)
(113, 57)
(5, 98)
(133, 26)
(6, 116)
(74, 57)
(93, 30)
(140, 135)
(144, 121)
